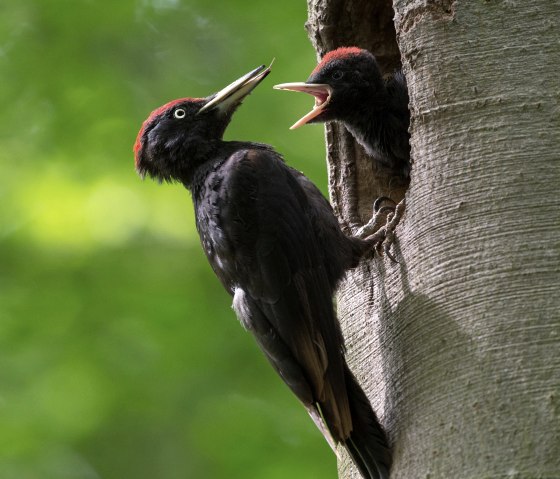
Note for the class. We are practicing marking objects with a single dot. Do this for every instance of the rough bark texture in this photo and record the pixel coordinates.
(458, 345)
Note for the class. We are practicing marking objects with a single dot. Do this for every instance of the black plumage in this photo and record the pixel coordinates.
(276, 246)
(348, 87)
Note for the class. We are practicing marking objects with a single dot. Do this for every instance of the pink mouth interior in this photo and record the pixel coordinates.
(322, 98)
(321, 92)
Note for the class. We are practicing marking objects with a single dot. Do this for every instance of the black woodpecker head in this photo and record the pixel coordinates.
(176, 136)
(347, 82)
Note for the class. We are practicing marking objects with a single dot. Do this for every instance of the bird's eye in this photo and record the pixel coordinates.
(337, 75)
(179, 113)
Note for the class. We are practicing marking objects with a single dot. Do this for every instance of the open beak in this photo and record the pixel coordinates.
(233, 94)
(320, 91)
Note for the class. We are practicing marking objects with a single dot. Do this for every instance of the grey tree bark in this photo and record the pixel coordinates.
(458, 344)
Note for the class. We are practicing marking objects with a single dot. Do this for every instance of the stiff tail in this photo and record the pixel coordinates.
(367, 444)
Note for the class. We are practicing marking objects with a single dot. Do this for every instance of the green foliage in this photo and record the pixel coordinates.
(119, 353)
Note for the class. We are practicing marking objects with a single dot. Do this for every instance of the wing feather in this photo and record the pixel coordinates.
(269, 249)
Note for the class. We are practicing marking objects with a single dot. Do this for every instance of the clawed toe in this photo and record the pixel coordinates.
(377, 203)
(380, 216)
(383, 236)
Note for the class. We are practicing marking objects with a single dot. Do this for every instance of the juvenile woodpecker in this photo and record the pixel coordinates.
(348, 87)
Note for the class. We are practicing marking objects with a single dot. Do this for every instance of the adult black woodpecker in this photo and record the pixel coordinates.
(348, 87)
(275, 244)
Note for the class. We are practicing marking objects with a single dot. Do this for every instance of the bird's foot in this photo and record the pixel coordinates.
(380, 216)
(382, 236)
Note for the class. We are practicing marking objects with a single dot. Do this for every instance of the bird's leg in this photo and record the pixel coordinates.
(393, 219)
(383, 236)
(376, 221)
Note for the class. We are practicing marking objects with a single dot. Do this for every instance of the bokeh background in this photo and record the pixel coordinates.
(120, 356)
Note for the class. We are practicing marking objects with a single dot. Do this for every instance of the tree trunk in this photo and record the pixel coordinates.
(458, 344)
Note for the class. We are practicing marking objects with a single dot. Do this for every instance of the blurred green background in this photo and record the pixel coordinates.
(120, 356)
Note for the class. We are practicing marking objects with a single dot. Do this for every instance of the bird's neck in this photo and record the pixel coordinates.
(367, 123)
(201, 156)
(210, 158)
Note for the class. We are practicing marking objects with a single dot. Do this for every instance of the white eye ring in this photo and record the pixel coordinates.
(179, 113)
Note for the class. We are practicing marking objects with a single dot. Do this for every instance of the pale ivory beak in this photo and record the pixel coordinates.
(235, 92)
(321, 92)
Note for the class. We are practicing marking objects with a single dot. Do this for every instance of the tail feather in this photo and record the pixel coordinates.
(367, 444)
(360, 462)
